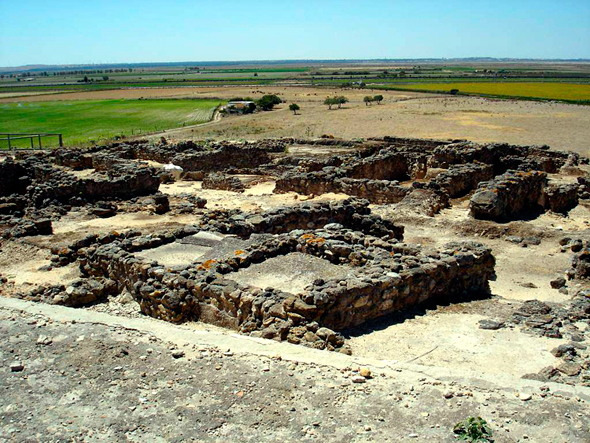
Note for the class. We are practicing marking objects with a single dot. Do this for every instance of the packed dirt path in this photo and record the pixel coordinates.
(78, 375)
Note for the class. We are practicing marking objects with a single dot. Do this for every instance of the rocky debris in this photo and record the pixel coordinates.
(27, 228)
(560, 198)
(508, 195)
(222, 182)
(80, 292)
(580, 265)
(15, 177)
(424, 202)
(491, 325)
(104, 209)
(17, 366)
(161, 203)
(584, 187)
(557, 283)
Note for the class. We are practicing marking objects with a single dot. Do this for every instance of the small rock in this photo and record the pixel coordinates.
(558, 283)
(448, 394)
(490, 324)
(570, 369)
(44, 340)
(365, 372)
(413, 436)
(17, 366)
(178, 353)
(358, 379)
(525, 397)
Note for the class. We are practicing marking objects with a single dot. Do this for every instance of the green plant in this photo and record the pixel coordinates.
(294, 107)
(473, 429)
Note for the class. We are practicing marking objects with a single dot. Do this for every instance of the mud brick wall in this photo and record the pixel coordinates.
(507, 195)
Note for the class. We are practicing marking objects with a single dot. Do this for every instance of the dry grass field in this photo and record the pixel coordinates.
(404, 114)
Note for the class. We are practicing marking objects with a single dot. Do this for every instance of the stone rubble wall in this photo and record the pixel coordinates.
(351, 213)
(560, 198)
(222, 182)
(15, 178)
(459, 180)
(390, 276)
(508, 195)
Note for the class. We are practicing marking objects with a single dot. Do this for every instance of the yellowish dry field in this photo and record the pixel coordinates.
(404, 114)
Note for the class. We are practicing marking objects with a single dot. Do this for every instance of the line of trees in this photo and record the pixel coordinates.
(340, 100)
(377, 98)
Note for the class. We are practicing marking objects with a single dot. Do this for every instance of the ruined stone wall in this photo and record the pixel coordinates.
(222, 182)
(507, 195)
(224, 158)
(392, 276)
(351, 213)
(15, 178)
(459, 180)
(560, 198)
(125, 181)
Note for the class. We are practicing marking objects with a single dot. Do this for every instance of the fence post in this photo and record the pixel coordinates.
(8, 139)
(61, 142)
(39, 140)
(32, 145)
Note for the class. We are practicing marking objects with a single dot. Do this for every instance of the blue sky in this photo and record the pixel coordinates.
(69, 32)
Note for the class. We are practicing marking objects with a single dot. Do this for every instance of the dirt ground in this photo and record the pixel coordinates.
(95, 377)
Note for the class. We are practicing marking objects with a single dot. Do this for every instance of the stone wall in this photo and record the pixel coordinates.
(390, 276)
(15, 178)
(508, 195)
(222, 182)
(459, 180)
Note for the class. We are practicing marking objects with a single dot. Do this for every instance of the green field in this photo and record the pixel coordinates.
(539, 90)
(82, 122)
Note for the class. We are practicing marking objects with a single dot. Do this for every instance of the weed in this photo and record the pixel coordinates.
(473, 429)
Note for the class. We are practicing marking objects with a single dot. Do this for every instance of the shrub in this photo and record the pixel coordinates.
(473, 429)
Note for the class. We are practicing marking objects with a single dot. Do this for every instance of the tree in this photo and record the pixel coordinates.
(329, 101)
(378, 99)
(105, 77)
(267, 102)
(341, 100)
(294, 107)
(85, 79)
(367, 100)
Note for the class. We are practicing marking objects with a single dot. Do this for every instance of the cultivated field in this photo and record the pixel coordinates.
(85, 121)
(544, 90)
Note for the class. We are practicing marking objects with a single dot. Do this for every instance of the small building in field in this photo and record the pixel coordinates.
(240, 104)
(240, 107)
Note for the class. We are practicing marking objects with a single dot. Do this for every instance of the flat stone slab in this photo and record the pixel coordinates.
(175, 254)
(290, 273)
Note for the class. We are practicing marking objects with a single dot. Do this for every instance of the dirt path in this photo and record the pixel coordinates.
(91, 377)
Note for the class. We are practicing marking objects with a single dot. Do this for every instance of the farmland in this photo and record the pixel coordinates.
(84, 121)
(537, 90)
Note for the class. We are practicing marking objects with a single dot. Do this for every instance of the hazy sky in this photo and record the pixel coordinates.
(64, 32)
